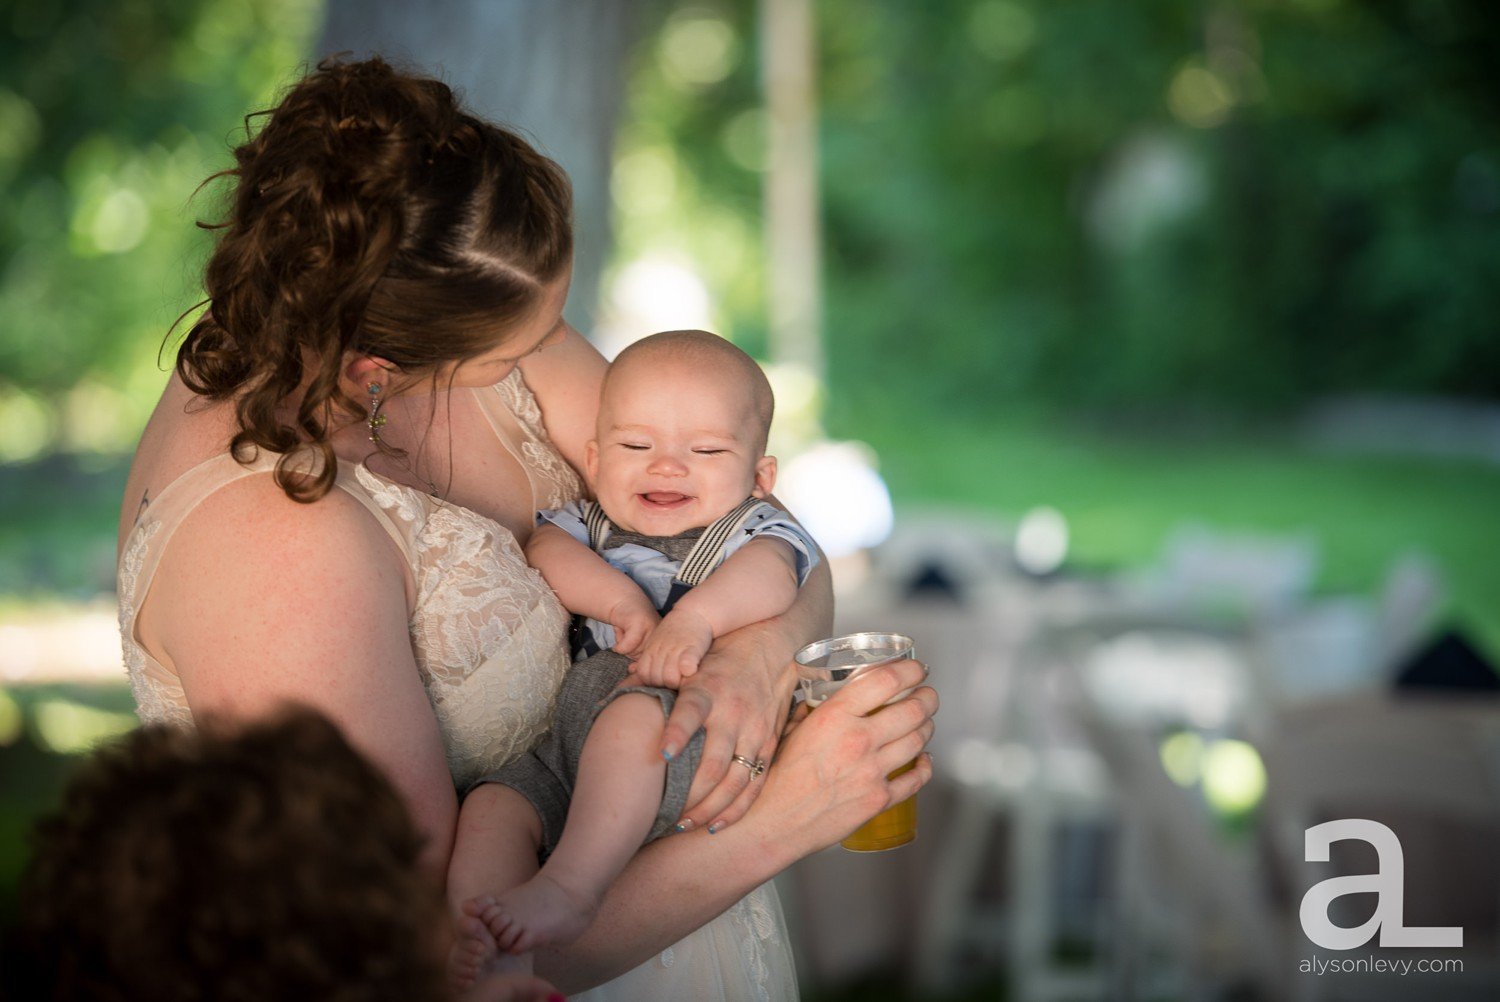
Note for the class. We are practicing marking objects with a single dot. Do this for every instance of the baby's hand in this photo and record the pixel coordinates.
(674, 649)
(634, 618)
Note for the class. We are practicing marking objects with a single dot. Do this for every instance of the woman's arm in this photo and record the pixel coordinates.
(830, 777)
(260, 601)
(740, 695)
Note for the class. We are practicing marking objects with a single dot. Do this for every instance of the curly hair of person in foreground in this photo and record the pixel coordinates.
(262, 861)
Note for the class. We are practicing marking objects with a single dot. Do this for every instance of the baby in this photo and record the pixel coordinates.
(679, 549)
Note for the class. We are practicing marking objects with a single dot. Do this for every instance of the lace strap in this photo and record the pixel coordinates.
(516, 418)
(160, 516)
(521, 403)
(506, 405)
(159, 520)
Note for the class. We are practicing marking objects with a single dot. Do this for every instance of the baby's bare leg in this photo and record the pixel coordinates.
(620, 780)
(495, 849)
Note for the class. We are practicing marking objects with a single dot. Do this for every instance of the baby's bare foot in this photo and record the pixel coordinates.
(473, 951)
(539, 912)
(475, 955)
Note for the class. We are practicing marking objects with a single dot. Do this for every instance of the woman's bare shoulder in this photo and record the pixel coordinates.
(249, 529)
(261, 601)
(250, 571)
(243, 545)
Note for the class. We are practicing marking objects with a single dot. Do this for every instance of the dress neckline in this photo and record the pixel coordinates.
(265, 462)
(428, 500)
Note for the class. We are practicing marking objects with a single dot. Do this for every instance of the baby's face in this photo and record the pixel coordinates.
(678, 447)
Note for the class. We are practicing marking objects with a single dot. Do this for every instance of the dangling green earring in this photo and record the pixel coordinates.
(377, 419)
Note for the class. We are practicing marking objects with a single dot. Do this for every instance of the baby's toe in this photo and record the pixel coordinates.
(495, 919)
(474, 906)
(510, 941)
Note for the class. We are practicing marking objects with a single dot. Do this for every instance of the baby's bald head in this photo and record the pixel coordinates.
(708, 356)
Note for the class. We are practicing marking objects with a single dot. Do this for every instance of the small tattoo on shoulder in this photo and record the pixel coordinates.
(145, 501)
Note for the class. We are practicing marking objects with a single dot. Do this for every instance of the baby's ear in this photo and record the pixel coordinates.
(591, 460)
(765, 476)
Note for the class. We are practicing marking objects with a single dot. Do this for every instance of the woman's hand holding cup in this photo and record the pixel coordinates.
(833, 771)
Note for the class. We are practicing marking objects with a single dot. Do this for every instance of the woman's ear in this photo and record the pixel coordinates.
(362, 370)
(765, 476)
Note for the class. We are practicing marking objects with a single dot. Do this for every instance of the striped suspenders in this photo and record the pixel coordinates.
(705, 555)
(597, 524)
(708, 553)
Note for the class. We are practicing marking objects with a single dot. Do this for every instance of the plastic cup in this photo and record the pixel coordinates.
(826, 666)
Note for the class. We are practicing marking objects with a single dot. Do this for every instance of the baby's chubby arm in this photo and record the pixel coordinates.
(586, 584)
(758, 581)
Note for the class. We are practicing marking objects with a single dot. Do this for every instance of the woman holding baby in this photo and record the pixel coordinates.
(330, 501)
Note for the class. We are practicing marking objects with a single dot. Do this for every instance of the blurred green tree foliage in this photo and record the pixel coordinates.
(111, 113)
(1240, 202)
(1143, 205)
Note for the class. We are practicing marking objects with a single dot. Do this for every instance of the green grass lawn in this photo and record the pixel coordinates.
(1123, 491)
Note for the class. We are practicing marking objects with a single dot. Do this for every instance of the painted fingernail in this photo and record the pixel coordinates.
(713, 829)
(668, 753)
(685, 825)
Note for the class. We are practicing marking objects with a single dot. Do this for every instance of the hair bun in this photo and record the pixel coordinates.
(355, 130)
(372, 215)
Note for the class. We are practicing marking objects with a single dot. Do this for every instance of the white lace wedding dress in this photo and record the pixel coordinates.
(489, 639)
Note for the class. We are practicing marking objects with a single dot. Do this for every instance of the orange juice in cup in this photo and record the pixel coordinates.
(824, 667)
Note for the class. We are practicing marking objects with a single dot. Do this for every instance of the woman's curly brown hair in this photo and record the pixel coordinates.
(266, 862)
(370, 214)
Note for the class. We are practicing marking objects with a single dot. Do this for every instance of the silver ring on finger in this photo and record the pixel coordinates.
(757, 768)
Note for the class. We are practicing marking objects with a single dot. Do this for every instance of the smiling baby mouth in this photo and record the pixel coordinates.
(664, 498)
